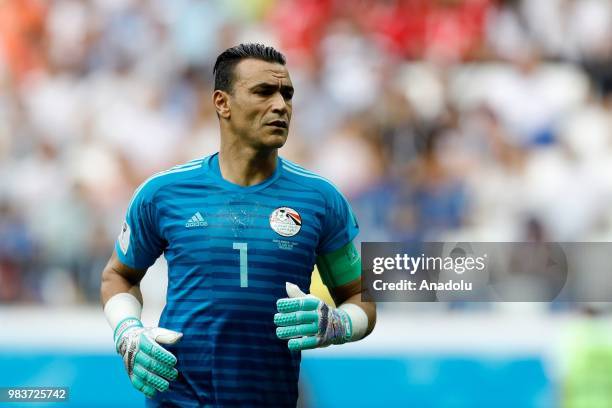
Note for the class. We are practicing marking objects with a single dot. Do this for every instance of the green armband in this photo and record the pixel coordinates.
(340, 267)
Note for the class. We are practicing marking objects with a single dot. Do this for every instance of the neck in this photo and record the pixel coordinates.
(246, 166)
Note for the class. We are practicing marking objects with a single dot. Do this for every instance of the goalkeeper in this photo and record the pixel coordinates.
(241, 231)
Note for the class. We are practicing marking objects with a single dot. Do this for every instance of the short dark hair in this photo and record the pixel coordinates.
(228, 59)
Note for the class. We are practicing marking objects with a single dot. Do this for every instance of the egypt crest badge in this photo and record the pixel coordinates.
(285, 221)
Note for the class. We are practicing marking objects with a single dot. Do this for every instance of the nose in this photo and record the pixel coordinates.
(279, 106)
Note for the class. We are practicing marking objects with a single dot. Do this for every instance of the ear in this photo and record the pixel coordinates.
(222, 104)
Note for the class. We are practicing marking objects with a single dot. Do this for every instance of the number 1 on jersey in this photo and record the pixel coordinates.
(244, 267)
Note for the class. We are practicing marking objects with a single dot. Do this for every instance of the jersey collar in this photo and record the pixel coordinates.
(212, 168)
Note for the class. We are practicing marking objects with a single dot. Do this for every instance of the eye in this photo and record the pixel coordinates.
(264, 92)
(288, 95)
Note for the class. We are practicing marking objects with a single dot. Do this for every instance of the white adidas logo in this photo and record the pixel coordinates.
(196, 221)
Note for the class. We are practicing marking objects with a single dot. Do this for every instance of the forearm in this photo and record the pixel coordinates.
(113, 283)
(120, 294)
(122, 301)
(116, 278)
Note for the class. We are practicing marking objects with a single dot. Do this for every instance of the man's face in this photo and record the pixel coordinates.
(260, 103)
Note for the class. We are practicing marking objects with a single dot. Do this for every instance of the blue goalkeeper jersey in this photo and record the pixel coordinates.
(230, 249)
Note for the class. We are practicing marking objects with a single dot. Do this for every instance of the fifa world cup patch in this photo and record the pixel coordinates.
(285, 221)
(124, 237)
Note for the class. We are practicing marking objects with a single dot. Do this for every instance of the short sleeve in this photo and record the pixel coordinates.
(339, 226)
(139, 244)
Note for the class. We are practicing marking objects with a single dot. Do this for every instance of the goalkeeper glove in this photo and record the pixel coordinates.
(149, 365)
(310, 323)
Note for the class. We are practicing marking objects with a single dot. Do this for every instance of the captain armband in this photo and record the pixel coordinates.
(340, 267)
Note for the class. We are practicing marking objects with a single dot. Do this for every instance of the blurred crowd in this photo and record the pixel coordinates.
(486, 120)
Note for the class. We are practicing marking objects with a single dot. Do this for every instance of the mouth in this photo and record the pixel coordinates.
(278, 123)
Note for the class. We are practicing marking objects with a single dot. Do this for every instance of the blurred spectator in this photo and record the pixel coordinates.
(22, 36)
(434, 117)
(17, 253)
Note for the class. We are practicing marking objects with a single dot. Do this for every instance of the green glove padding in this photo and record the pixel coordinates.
(308, 322)
(149, 365)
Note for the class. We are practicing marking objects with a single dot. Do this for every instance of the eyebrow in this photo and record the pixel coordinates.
(270, 86)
